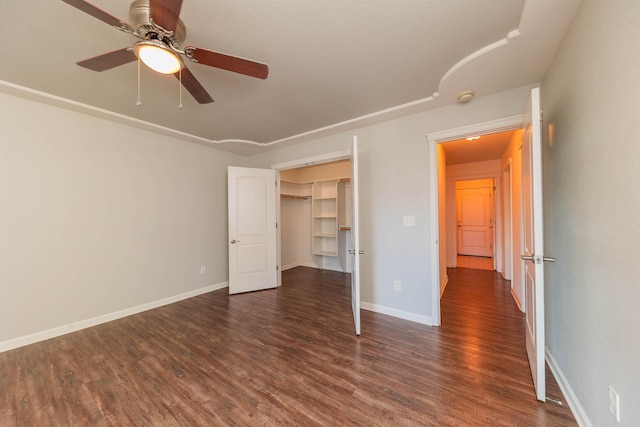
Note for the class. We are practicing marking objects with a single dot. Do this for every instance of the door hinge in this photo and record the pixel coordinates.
(276, 225)
(277, 267)
(541, 114)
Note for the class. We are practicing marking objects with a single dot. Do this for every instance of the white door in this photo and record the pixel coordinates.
(252, 229)
(533, 266)
(475, 223)
(355, 238)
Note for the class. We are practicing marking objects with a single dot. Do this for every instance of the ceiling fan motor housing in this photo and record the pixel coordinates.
(145, 28)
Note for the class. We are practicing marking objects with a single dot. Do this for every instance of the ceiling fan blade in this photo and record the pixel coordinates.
(228, 62)
(109, 60)
(100, 14)
(194, 87)
(165, 13)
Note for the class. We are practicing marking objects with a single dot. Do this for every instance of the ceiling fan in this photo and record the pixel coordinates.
(158, 26)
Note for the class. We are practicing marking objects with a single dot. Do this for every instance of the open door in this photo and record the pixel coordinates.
(252, 229)
(355, 238)
(533, 260)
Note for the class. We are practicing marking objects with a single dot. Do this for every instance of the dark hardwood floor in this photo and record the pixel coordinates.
(286, 357)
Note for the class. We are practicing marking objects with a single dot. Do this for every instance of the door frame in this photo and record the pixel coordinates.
(507, 220)
(496, 196)
(294, 164)
(433, 139)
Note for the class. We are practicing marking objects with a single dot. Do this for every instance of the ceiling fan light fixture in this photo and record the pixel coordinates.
(157, 56)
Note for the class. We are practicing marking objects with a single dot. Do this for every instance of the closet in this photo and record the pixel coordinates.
(315, 215)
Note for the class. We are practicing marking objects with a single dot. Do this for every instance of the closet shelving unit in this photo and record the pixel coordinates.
(294, 190)
(324, 227)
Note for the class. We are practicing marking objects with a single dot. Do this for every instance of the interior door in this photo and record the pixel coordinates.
(355, 238)
(533, 268)
(475, 223)
(252, 229)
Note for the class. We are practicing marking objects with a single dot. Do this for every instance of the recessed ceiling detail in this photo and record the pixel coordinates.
(334, 66)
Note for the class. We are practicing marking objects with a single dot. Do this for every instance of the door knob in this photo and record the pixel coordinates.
(234, 241)
(527, 257)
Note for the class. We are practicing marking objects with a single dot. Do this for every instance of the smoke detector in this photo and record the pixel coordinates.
(466, 96)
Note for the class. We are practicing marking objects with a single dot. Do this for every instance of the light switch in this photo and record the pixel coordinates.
(409, 221)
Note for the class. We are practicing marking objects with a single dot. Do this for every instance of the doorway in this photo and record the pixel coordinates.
(326, 215)
(465, 148)
(475, 218)
(315, 216)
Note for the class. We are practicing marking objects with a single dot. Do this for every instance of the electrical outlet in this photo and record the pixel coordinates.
(614, 403)
(203, 269)
(409, 221)
(397, 285)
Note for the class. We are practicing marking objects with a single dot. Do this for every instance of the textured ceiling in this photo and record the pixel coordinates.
(334, 64)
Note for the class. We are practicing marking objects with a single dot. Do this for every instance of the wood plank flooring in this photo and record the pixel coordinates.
(286, 357)
(479, 263)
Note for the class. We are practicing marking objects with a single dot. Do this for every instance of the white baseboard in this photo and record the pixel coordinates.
(575, 406)
(87, 323)
(444, 284)
(418, 318)
(517, 300)
(301, 264)
(312, 265)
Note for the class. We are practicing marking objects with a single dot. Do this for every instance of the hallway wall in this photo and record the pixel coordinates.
(591, 110)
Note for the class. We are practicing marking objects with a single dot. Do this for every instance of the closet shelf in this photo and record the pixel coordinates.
(326, 253)
(294, 196)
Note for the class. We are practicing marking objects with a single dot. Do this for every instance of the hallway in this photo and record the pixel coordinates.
(478, 308)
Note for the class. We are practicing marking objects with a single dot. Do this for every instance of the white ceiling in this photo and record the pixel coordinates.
(334, 64)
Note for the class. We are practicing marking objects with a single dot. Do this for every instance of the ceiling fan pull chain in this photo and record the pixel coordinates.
(138, 102)
(180, 89)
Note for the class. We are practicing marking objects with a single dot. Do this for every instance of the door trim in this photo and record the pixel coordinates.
(314, 160)
(292, 164)
(433, 139)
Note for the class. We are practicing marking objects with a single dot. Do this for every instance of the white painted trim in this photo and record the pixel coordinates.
(88, 323)
(434, 138)
(574, 404)
(405, 315)
(496, 199)
(517, 300)
(484, 128)
(308, 161)
(435, 234)
(444, 286)
(292, 164)
(302, 264)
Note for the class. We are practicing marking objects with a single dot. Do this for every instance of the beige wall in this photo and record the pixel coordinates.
(590, 99)
(97, 217)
